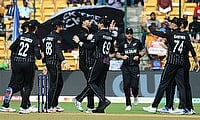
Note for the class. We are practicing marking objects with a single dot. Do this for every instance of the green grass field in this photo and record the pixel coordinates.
(114, 112)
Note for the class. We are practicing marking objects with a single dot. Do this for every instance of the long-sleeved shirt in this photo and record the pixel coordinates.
(179, 44)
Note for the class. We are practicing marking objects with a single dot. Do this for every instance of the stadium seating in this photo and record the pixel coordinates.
(2, 10)
(175, 9)
(70, 60)
(60, 4)
(39, 64)
(149, 6)
(188, 9)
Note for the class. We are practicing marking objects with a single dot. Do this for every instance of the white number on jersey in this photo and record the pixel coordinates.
(179, 46)
(23, 49)
(106, 47)
(49, 48)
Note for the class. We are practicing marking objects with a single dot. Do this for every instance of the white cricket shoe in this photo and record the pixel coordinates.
(128, 108)
(89, 110)
(165, 109)
(177, 111)
(24, 111)
(150, 109)
(77, 104)
(181, 111)
(9, 109)
(51, 110)
(33, 109)
(59, 109)
(191, 112)
(136, 101)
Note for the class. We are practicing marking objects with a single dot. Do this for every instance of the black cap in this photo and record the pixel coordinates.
(176, 21)
(129, 30)
(57, 22)
(24, 25)
(33, 23)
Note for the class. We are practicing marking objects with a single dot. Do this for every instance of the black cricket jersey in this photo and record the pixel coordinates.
(85, 54)
(102, 44)
(25, 48)
(52, 49)
(131, 49)
(178, 43)
(190, 49)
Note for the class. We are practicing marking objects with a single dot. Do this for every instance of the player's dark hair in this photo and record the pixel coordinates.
(105, 21)
(56, 23)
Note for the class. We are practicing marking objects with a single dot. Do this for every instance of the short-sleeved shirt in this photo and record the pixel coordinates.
(25, 11)
(130, 49)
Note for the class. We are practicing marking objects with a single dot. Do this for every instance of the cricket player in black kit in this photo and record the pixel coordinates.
(130, 50)
(102, 45)
(178, 44)
(24, 50)
(53, 58)
(33, 28)
(86, 60)
(168, 108)
(6, 107)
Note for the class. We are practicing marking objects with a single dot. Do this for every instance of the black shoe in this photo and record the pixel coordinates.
(98, 111)
(103, 105)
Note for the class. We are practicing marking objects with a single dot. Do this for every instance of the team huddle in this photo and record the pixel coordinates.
(96, 48)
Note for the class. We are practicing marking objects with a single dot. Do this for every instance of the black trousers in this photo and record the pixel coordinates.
(55, 84)
(171, 91)
(90, 96)
(131, 76)
(167, 77)
(96, 81)
(22, 80)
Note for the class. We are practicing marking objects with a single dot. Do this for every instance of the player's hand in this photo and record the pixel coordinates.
(112, 55)
(136, 58)
(124, 57)
(112, 25)
(44, 71)
(65, 66)
(76, 39)
(42, 54)
(197, 67)
(90, 36)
